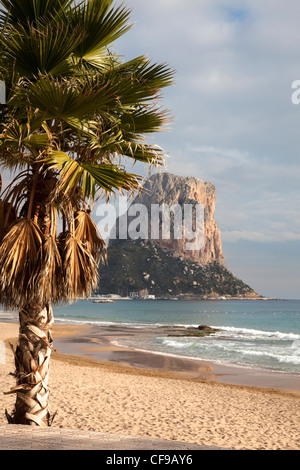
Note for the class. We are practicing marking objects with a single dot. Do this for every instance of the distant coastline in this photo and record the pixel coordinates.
(115, 297)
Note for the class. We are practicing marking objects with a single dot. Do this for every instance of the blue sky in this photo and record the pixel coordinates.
(234, 122)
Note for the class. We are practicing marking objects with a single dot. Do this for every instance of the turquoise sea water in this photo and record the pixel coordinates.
(255, 333)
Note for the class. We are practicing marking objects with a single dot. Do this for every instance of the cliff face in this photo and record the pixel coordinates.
(173, 190)
(163, 267)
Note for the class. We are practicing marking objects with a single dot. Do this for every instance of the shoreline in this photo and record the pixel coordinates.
(101, 344)
(95, 346)
(167, 402)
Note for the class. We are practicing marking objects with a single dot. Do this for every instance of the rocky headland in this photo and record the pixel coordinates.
(167, 267)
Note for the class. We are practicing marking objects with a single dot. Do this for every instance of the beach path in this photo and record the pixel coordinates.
(18, 437)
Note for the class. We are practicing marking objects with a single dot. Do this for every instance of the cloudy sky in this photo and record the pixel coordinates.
(234, 121)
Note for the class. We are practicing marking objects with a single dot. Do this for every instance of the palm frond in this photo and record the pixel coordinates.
(143, 120)
(90, 177)
(24, 11)
(17, 191)
(79, 268)
(41, 49)
(50, 281)
(152, 155)
(18, 136)
(102, 25)
(60, 99)
(20, 260)
(141, 81)
(86, 231)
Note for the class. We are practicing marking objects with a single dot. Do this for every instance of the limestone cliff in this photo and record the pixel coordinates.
(168, 268)
(178, 190)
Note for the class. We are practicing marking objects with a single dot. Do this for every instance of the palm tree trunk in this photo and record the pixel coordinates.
(32, 358)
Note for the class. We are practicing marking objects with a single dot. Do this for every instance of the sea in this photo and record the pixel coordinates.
(262, 334)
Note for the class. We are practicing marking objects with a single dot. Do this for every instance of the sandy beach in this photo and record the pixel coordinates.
(98, 386)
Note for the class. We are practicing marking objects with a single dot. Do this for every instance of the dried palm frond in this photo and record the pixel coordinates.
(49, 281)
(79, 269)
(20, 259)
(87, 232)
(17, 191)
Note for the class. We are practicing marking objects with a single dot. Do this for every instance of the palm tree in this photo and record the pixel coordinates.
(75, 112)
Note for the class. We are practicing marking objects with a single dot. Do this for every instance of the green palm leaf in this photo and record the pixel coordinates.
(90, 177)
(20, 135)
(102, 25)
(142, 80)
(42, 48)
(24, 11)
(60, 99)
